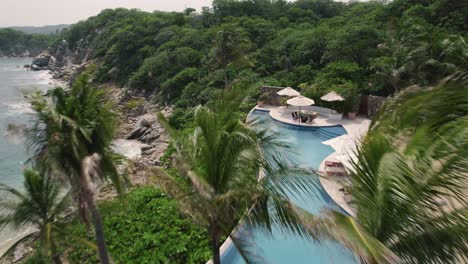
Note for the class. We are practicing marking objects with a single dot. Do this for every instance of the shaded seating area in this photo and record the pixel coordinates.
(304, 118)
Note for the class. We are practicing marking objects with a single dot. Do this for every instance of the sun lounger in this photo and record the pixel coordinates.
(333, 168)
(333, 164)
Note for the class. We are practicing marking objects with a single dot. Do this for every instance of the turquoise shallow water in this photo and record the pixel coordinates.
(14, 81)
(284, 248)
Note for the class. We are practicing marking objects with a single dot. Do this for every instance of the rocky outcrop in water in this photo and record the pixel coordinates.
(41, 62)
(64, 62)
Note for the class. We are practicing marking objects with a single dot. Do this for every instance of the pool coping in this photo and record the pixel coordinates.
(256, 108)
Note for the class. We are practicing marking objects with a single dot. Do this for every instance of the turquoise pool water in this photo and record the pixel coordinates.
(279, 247)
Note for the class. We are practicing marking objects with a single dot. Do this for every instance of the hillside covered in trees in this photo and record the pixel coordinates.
(17, 43)
(359, 47)
(413, 155)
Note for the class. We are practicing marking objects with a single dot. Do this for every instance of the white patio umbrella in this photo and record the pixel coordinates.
(300, 101)
(346, 148)
(288, 91)
(343, 144)
(332, 96)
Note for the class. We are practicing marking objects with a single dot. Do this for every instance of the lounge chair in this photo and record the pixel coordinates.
(333, 168)
(294, 116)
(310, 119)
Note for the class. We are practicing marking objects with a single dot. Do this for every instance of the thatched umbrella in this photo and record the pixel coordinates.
(288, 91)
(332, 96)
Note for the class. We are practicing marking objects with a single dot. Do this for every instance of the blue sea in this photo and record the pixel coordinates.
(15, 83)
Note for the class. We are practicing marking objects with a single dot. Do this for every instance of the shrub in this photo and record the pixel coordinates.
(149, 229)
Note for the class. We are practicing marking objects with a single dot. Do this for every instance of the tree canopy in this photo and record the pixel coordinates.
(383, 47)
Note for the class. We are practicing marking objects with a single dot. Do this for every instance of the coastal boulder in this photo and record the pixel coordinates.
(147, 120)
(42, 60)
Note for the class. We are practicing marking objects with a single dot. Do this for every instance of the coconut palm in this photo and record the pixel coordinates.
(420, 54)
(40, 205)
(71, 135)
(231, 46)
(221, 160)
(410, 180)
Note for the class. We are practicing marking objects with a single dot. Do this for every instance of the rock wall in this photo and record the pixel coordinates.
(273, 97)
(370, 104)
(64, 63)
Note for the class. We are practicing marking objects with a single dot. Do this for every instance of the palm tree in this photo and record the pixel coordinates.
(412, 163)
(40, 205)
(419, 53)
(72, 135)
(231, 46)
(221, 160)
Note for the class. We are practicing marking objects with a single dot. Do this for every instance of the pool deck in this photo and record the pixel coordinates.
(356, 128)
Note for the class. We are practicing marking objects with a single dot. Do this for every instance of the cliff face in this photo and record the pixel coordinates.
(64, 62)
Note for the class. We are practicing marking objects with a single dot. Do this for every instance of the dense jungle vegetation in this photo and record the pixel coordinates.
(375, 47)
(414, 154)
(13, 42)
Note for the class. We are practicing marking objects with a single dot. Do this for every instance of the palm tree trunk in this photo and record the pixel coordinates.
(89, 170)
(214, 233)
(99, 229)
(56, 259)
(54, 255)
(226, 81)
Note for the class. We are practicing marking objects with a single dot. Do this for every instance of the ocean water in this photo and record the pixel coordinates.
(15, 82)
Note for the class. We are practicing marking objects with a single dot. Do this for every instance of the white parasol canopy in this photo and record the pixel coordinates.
(346, 149)
(344, 144)
(300, 101)
(288, 91)
(332, 96)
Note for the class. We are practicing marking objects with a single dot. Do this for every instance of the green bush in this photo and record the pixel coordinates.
(181, 118)
(149, 229)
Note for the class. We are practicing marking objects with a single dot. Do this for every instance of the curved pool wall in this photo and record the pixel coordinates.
(280, 247)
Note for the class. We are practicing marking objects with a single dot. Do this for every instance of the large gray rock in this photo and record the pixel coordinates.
(42, 60)
(147, 120)
(35, 67)
(137, 133)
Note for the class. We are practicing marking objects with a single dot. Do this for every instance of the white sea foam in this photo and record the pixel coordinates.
(20, 108)
(13, 109)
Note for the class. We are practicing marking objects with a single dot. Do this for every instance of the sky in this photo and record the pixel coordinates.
(53, 12)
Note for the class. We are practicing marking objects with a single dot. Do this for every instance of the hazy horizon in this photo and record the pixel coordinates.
(53, 12)
(21, 13)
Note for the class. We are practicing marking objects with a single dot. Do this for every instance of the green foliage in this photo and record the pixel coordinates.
(413, 159)
(220, 161)
(75, 124)
(148, 229)
(186, 58)
(39, 205)
(14, 42)
(71, 136)
(182, 118)
(180, 80)
(336, 74)
(133, 104)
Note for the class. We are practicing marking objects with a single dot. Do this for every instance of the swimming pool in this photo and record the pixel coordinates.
(279, 247)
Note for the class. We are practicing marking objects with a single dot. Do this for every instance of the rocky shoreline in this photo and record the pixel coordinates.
(141, 137)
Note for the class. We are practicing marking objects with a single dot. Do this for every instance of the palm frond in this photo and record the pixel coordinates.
(336, 226)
